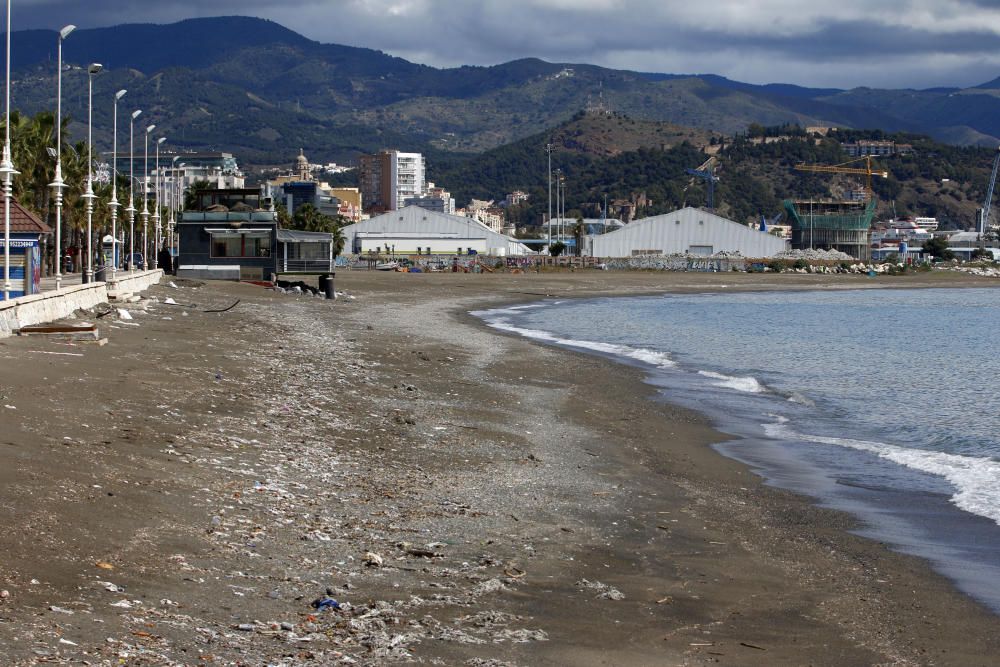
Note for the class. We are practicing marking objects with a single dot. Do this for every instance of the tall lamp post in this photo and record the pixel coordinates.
(89, 195)
(156, 213)
(113, 204)
(57, 183)
(131, 190)
(558, 209)
(548, 149)
(8, 171)
(145, 201)
(173, 203)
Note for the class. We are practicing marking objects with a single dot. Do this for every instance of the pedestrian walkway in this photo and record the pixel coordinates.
(49, 283)
(68, 279)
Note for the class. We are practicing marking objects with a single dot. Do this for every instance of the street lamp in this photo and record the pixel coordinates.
(145, 201)
(156, 213)
(172, 203)
(57, 183)
(8, 171)
(131, 191)
(558, 192)
(89, 195)
(113, 204)
(548, 149)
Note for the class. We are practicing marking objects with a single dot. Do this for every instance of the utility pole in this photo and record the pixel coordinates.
(548, 149)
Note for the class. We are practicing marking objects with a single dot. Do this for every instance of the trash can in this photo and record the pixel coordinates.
(101, 274)
(328, 287)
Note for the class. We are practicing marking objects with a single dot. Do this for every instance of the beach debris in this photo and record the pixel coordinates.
(748, 645)
(169, 301)
(372, 559)
(419, 552)
(124, 314)
(223, 310)
(325, 602)
(104, 565)
(488, 586)
(604, 591)
(173, 284)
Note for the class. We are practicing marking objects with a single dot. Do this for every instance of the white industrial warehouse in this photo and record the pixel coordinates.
(417, 231)
(689, 230)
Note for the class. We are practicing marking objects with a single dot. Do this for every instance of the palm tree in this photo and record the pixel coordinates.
(338, 240)
(191, 194)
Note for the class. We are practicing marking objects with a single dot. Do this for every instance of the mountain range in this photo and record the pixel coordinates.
(262, 91)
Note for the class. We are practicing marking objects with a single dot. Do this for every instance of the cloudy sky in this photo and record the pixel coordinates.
(847, 43)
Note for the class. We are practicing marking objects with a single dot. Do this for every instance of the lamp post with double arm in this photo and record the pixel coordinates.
(113, 204)
(57, 183)
(131, 190)
(156, 211)
(145, 201)
(89, 195)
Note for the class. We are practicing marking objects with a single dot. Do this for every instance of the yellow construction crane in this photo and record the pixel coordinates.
(842, 168)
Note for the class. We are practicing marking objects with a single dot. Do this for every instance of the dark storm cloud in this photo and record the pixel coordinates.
(853, 42)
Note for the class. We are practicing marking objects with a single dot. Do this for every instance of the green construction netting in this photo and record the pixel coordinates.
(857, 220)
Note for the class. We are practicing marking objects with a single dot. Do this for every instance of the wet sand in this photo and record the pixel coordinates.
(182, 494)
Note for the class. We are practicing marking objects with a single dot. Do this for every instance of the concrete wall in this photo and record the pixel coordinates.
(57, 304)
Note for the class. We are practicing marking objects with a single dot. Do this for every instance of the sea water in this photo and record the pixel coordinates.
(883, 403)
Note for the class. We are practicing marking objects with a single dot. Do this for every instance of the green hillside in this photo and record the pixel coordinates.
(623, 159)
(260, 90)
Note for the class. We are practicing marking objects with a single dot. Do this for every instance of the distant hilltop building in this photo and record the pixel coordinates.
(876, 148)
(299, 186)
(389, 178)
(515, 198)
(487, 213)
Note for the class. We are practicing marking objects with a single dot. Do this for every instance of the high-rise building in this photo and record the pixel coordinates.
(389, 178)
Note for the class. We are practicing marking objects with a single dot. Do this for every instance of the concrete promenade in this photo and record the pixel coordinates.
(53, 304)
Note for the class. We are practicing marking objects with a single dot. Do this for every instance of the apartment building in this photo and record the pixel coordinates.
(389, 178)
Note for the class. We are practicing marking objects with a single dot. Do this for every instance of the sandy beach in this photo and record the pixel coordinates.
(199, 490)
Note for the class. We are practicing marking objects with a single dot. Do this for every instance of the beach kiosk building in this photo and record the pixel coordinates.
(26, 234)
(234, 235)
(227, 235)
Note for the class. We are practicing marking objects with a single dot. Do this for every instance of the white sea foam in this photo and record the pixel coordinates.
(495, 318)
(749, 385)
(796, 397)
(976, 479)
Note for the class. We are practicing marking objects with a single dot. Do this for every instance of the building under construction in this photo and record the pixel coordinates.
(836, 224)
(832, 225)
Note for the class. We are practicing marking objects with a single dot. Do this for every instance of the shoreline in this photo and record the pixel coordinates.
(291, 437)
(924, 522)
